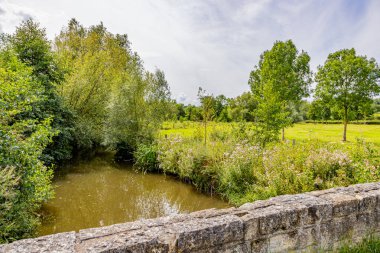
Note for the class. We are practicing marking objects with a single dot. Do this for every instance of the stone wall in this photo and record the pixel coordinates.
(302, 222)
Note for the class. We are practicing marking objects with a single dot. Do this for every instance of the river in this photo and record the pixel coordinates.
(100, 192)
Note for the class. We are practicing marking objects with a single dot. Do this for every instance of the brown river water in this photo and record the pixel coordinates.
(100, 192)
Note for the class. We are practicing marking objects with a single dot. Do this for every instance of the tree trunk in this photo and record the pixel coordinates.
(283, 134)
(205, 132)
(345, 124)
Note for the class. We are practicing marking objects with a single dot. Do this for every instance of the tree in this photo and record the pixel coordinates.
(31, 46)
(159, 96)
(376, 105)
(25, 182)
(140, 105)
(242, 107)
(348, 81)
(208, 111)
(181, 114)
(318, 110)
(282, 78)
(94, 61)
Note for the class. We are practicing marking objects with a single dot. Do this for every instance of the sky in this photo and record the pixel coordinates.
(209, 43)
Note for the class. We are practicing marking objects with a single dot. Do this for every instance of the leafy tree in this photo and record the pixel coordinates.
(31, 46)
(193, 113)
(300, 111)
(181, 114)
(319, 111)
(282, 78)
(348, 81)
(25, 182)
(159, 96)
(208, 111)
(242, 107)
(94, 61)
(136, 113)
(376, 105)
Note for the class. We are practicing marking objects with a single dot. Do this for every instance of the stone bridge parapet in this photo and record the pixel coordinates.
(302, 223)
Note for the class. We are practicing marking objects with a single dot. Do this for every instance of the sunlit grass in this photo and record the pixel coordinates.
(299, 131)
(333, 132)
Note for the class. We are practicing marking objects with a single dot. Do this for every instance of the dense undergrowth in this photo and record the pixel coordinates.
(370, 244)
(234, 166)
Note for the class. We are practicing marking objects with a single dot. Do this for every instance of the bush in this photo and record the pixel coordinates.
(146, 157)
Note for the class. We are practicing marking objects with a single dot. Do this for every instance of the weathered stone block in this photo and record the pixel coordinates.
(308, 237)
(207, 233)
(139, 241)
(281, 218)
(343, 204)
(318, 210)
(227, 248)
(90, 233)
(343, 227)
(251, 226)
(62, 243)
(260, 246)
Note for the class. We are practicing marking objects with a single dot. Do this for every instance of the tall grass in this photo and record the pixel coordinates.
(370, 244)
(233, 166)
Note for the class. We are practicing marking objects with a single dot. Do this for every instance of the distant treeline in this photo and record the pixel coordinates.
(242, 108)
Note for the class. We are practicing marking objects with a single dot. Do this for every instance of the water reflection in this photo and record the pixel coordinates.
(99, 193)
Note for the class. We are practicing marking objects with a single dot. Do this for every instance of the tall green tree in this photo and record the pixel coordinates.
(139, 107)
(32, 48)
(25, 182)
(94, 61)
(347, 81)
(282, 78)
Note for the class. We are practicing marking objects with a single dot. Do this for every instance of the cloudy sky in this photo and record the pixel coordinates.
(213, 44)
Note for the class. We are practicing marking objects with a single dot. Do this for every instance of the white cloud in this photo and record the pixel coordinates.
(210, 43)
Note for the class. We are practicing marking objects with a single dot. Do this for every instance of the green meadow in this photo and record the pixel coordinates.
(298, 132)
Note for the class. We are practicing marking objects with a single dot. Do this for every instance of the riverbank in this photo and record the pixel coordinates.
(232, 165)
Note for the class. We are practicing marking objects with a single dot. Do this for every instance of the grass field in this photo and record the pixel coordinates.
(333, 133)
(299, 131)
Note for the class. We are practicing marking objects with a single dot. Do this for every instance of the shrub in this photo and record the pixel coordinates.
(146, 157)
(239, 169)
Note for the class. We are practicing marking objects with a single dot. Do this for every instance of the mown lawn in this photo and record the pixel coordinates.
(299, 131)
(333, 132)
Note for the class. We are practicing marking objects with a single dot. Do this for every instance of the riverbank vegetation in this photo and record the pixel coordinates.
(87, 90)
(60, 100)
(235, 166)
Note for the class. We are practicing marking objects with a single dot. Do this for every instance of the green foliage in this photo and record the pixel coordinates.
(117, 103)
(146, 157)
(370, 244)
(207, 106)
(138, 110)
(94, 61)
(31, 46)
(241, 108)
(280, 80)
(25, 183)
(348, 82)
(236, 167)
